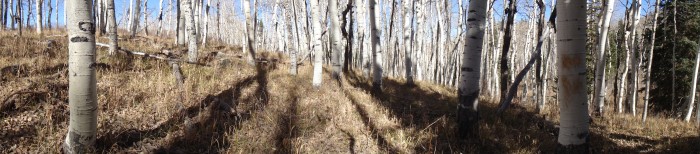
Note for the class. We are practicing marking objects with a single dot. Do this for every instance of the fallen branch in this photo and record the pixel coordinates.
(144, 54)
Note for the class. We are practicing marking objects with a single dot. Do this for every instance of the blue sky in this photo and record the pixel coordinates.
(498, 7)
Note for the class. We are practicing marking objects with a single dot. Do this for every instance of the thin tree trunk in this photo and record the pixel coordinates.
(335, 40)
(376, 48)
(651, 58)
(573, 104)
(505, 74)
(297, 48)
(160, 17)
(250, 32)
(407, 33)
(145, 16)
(48, 19)
(192, 45)
(206, 24)
(599, 97)
(634, 49)
(82, 83)
(112, 28)
(365, 62)
(180, 23)
(691, 95)
(39, 19)
(469, 79)
(135, 15)
(316, 47)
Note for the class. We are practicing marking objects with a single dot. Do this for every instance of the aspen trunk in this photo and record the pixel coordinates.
(160, 17)
(180, 23)
(469, 78)
(250, 32)
(112, 28)
(365, 61)
(297, 48)
(633, 50)
(573, 104)
(82, 81)
(651, 58)
(407, 33)
(135, 15)
(190, 24)
(693, 86)
(316, 44)
(39, 18)
(335, 40)
(599, 97)
(376, 48)
(206, 24)
(48, 18)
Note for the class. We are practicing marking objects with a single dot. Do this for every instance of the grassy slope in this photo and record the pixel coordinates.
(241, 109)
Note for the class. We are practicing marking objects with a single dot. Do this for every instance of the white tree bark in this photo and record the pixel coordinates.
(601, 60)
(573, 104)
(297, 48)
(39, 18)
(335, 39)
(160, 17)
(249, 32)
(135, 15)
(365, 61)
(205, 32)
(192, 32)
(407, 33)
(651, 59)
(180, 23)
(317, 48)
(112, 28)
(376, 48)
(693, 86)
(469, 79)
(633, 50)
(82, 81)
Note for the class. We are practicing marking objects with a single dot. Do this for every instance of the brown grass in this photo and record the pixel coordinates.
(242, 109)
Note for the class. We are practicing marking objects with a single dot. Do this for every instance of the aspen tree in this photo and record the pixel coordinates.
(335, 39)
(573, 104)
(297, 48)
(249, 32)
(407, 31)
(180, 23)
(693, 86)
(82, 81)
(633, 50)
(160, 17)
(206, 24)
(376, 48)
(651, 58)
(316, 47)
(134, 17)
(467, 112)
(365, 61)
(39, 18)
(112, 28)
(192, 32)
(601, 60)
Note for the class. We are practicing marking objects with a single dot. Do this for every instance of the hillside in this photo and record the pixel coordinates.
(231, 107)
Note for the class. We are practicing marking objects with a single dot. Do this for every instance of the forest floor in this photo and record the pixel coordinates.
(231, 107)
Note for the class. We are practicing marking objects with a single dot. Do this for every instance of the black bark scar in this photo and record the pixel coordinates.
(79, 39)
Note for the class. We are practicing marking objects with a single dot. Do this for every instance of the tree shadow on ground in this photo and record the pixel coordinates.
(202, 125)
(422, 108)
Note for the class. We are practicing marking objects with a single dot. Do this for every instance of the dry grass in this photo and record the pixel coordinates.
(241, 109)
